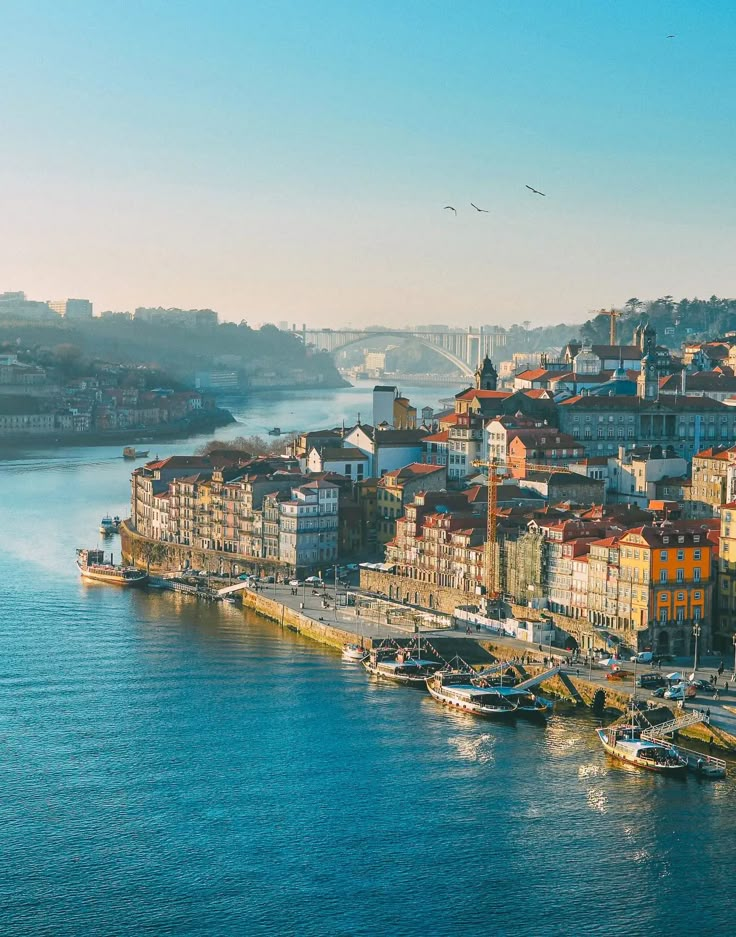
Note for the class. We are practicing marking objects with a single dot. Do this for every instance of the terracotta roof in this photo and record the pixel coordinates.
(533, 374)
(473, 393)
(438, 437)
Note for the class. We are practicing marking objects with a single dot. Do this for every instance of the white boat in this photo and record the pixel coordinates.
(467, 691)
(107, 526)
(354, 652)
(92, 565)
(400, 667)
(625, 743)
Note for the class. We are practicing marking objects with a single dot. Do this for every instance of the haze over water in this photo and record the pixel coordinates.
(171, 767)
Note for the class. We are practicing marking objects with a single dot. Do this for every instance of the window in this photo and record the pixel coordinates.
(680, 554)
(696, 555)
(697, 614)
(680, 596)
(681, 614)
(663, 614)
(696, 575)
(663, 576)
(662, 596)
(663, 554)
(680, 575)
(696, 595)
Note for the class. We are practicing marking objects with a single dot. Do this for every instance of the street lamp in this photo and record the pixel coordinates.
(734, 658)
(696, 632)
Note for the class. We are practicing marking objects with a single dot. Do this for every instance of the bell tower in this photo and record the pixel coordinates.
(486, 377)
(647, 384)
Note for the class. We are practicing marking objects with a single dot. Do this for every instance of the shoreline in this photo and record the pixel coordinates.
(12, 446)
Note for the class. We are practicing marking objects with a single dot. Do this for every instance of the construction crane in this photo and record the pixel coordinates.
(494, 480)
(611, 314)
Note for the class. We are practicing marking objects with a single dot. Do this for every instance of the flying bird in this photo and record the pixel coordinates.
(536, 191)
(450, 207)
(672, 36)
(480, 209)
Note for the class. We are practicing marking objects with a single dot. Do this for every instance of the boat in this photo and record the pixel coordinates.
(354, 652)
(276, 431)
(465, 690)
(625, 743)
(116, 522)
(92, 565)
(130, 452)
(400, 667)
(107, 526)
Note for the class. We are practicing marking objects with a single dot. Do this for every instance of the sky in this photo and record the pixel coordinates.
(291, 160)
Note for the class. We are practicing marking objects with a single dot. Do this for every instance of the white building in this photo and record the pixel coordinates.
(308, 525)
(632, 475)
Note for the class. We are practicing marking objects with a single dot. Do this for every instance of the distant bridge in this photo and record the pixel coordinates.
(465, 348)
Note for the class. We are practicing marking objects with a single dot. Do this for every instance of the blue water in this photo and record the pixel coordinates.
(170, 767)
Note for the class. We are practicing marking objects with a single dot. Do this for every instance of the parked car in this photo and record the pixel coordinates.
(295, 582)
(313, 581)
(703, 686)
(651, 681)
(644, 657)
(659, 692)
(244, 577)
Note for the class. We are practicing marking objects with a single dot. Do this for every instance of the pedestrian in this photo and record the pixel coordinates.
(710, 745)
(725, 687)
(707, 716)
(715, 695)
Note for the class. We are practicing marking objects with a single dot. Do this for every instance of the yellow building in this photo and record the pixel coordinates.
(665, 587)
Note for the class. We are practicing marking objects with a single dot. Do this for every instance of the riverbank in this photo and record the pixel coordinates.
(205, 422)
(570, 686)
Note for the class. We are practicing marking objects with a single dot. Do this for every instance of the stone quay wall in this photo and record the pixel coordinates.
(293, 620)
(412, 592)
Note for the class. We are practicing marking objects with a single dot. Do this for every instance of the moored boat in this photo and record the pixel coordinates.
(625, 743)
(107, 526)
(400, 667)
(92, 565)
(130, 452)
(466, 691)
(354, 652)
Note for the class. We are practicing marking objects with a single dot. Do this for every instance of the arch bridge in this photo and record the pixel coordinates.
(465, 348)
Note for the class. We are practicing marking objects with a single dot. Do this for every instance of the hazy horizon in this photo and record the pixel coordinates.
(292, 161)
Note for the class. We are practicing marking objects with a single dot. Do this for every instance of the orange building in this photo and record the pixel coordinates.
(665, 587)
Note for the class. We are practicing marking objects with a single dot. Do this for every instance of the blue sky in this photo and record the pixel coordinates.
(290, 160)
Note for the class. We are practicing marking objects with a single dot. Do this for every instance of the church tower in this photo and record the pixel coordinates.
(647, 384)
(486, 377)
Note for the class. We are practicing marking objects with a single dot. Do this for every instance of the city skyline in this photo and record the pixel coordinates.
(293, 163)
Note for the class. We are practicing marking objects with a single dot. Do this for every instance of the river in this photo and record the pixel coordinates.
(171, 767)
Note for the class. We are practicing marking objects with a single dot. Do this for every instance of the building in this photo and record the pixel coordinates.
(75, 310)
(710, 475)
(665, 588)
(397, 488)
(348, 461)
(602, 424)
(387, 449)
(308, 522)
(543, 446)
(726, 601)
(634, 475)
(16, 307)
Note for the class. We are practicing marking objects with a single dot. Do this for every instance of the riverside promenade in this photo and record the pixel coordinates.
(374, 619)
